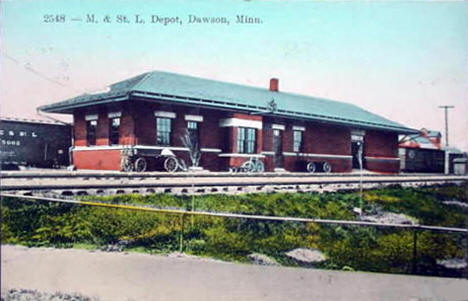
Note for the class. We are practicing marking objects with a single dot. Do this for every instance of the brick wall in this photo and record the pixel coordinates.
(317, 139)
(127, 128)
(211, 136)
(145, 124)
(102, 130)
(287, 139)
(97, 159)
(295, 163)
(127, 125)
(380, 144)
(267, 139)
(381, 147)
(138, 126)
(326, 139)
(79, 129)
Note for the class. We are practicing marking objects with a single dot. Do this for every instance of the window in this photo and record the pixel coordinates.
(91, 126)
(192, 127)
(33, 134)
(11, 133)
(22, 133)
(246, 140)
(114, 126)
(2, 132)
(297, 141)
(163, 131)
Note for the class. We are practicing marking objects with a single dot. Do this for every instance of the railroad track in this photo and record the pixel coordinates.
(99, 183)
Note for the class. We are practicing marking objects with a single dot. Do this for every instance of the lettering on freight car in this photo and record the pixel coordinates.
(11, 142)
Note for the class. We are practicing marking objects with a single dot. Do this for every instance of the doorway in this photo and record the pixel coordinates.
(357, 148)
(278, 148)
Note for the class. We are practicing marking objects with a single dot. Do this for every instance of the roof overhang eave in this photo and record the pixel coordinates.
(348, 123)
(265, 111)
(69, 108)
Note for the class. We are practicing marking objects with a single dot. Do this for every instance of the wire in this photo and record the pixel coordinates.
(28, 68)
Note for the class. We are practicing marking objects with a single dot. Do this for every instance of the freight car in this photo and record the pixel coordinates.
(422, 160)
(33, 143)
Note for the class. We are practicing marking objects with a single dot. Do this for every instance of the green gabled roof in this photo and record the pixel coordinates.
(190, 90)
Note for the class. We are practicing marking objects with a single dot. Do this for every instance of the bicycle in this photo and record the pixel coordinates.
(254, 164)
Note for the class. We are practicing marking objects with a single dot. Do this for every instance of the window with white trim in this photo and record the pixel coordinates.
(163, 131)
(91, 126)
(114, 130)
(297, 141)
(246, 140)
(192, 128)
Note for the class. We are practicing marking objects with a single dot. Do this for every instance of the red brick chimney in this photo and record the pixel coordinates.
(274, 83)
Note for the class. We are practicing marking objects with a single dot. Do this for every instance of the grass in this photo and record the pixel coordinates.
(369, 249)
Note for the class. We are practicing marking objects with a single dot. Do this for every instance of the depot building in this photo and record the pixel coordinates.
(232, 123)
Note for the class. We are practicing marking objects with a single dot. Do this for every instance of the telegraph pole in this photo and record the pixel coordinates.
(446, 122)
(446, 152)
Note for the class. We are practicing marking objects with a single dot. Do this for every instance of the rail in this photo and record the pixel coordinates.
(118, 174)
(213, 182)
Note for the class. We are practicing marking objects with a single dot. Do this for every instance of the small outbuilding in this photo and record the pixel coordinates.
(149, 115)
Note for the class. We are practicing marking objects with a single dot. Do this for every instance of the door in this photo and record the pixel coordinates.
(278, 148)
(356, 150)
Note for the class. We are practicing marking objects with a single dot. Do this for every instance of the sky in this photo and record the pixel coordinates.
(398, 59)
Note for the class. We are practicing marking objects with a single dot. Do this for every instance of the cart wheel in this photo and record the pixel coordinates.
(140, 164)
(259, 166)
(127, 165)
(326, 167)
(311, 167)
(248, 166)
(170, 164)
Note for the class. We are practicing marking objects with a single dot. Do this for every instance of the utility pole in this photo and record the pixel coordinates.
(446, 152)
(446, 122)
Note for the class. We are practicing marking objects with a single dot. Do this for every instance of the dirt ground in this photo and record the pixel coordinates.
(142, 277)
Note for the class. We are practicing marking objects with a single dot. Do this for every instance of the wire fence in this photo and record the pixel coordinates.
(348, 244)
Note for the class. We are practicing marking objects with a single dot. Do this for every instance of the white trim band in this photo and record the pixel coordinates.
(237, 122)
(114, 114)
(381, 158)
(96, 147)
(280, 127)
(90, 117)
(268, 153)
(358, 132)
(241, 155)
(357, 138)
(291, 154)
(164, 114)
(119, 147)
(298, 128)
(196, 118)
(210, 150)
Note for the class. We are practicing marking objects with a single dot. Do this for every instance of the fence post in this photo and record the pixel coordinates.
(466, 242)
(415, 252)
(181, 237)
